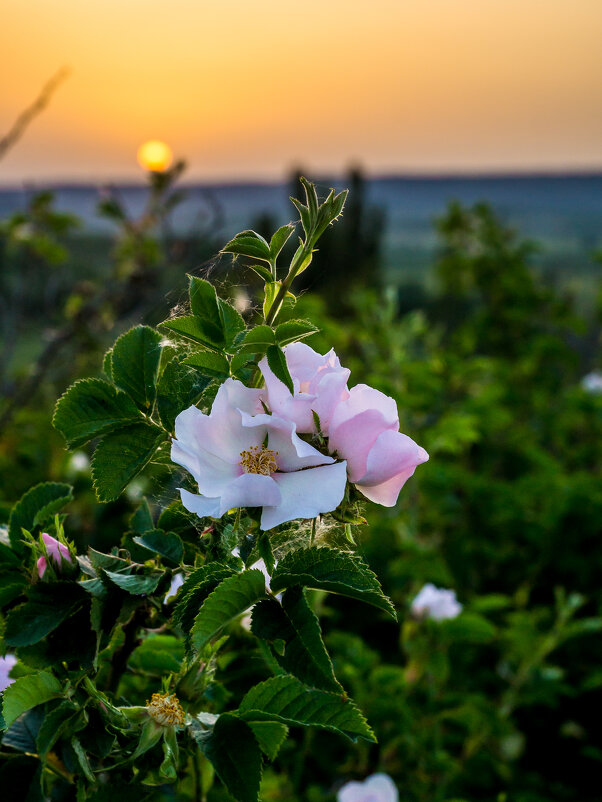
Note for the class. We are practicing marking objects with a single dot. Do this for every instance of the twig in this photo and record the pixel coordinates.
(25, 118)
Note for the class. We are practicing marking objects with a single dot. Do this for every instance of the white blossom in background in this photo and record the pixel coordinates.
(177, 581)
(376, 788)
(436, 603)
(6, 664)
(592, 382)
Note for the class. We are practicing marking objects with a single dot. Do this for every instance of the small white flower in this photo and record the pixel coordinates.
(376, 788)
(436, 603)
(177, 581)
(6, 664)
(592, 382)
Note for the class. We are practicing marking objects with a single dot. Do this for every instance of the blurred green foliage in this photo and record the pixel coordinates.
(499, 703)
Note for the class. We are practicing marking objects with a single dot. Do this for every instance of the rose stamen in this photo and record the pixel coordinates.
(259, 459)
(165, 709)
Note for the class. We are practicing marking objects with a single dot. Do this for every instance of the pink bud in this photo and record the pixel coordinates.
(57, 552)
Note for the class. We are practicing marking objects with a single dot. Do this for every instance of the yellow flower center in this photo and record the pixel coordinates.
(259, 460)
(165, 709)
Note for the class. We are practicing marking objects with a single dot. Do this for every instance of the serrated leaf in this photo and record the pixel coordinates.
(258, 340)
(135, 363)
(179, 387)
(22, 734)
(142, 520)
(134, 584)
(261, 270)
(296, 627)
(107, 364)
(249, 243)
(32, 621)
(90, 408)
(209, 363)
(195, 590)
(270, 736)
(166, 544)
(54, 724)
(279, 240)
(233, 751)
(332, 570)
(11, 586)
(229, 600)
(288, 701)
(39, 504)
(196, 329)
(232, 322)
(27, 692)
(278, 366)
(120, 456)
(203, 300)
(294, 330)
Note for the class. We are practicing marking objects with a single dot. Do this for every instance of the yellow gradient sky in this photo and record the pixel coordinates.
(245, 89)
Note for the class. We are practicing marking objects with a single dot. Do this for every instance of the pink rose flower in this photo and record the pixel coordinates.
(364, 431)
(240, 458)
(6, 665)
(320, 384)
(57, 552)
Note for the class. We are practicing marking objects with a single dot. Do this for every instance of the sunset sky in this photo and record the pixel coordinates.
(247, 89)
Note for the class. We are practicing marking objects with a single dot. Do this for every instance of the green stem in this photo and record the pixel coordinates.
(312, 536)
(296, 264)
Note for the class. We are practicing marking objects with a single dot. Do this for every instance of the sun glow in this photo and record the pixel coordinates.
(155, 156)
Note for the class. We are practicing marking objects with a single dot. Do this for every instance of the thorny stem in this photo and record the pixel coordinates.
(305, 252)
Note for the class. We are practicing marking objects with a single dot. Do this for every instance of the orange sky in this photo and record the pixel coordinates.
(247, 89)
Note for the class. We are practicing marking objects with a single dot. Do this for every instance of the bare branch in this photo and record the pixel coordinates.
(24, 119)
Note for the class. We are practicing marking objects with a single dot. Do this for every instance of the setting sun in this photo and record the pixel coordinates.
(155, 156)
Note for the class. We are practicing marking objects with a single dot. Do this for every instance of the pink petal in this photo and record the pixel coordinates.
(391, 454)
(201, 505)
(212, 474)
(306, 494)
(293, 452)
(362, 398)
(353, 439)
(57, 551)
(41, 566)
(386, 492)
(250, 490)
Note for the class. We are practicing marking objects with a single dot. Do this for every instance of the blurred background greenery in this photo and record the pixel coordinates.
(486, 361)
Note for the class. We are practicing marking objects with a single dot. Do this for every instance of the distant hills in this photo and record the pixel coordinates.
(562, 212)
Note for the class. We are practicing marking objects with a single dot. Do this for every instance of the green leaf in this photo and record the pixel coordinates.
(288, 701)
(333, 570)
(83, 761)
(278, 366)
(249, 243)
(179, 387)
(308, 646)
(234, 753)
(270, 736)
(35, 507)
(261, 270)
(209, 363)
(294, 330)
(22, 734)
(120, 456)
(27, 692)
(229, 600)
(11, 586)
(142, 520)
(167, 544)
(134, 584)
(203, 301)
(32, 621)
(107, 364)
(279, 240)
(90, 408)
(258, 340)
(295, 626)
(196, 329)
(195, 590)
(135, 362)
(232, 322)
(54, 724)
